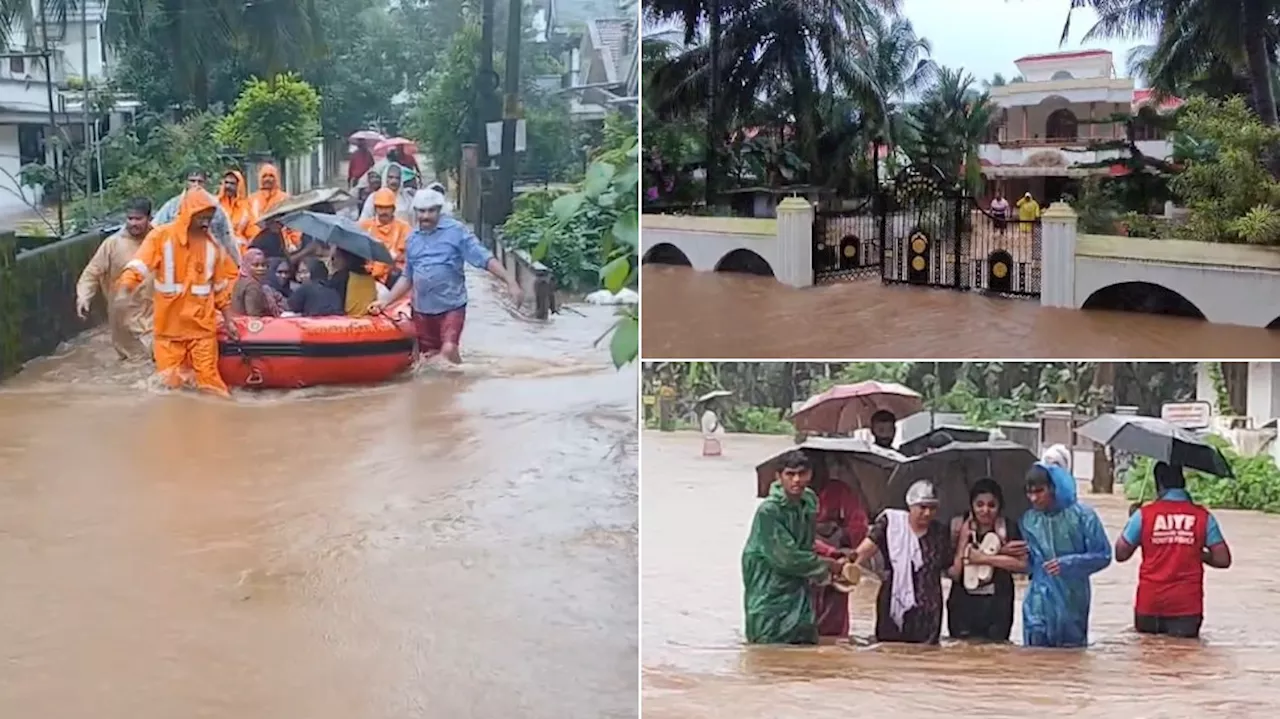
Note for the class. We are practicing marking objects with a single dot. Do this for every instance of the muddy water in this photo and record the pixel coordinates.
(457, 544)
(697, 513)
(737, 315)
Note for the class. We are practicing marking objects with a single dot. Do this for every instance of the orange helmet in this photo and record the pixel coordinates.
(384, 198)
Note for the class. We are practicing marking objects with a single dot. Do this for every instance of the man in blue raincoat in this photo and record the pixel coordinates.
(1067, 545)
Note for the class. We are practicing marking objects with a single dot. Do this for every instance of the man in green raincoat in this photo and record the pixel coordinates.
(779, 566)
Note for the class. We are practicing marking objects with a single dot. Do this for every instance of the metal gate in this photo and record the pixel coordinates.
(938, 236)
(846, 243)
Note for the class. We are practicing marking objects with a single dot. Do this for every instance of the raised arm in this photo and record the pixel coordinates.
(781, 551)
(1097, 550)
(142, 266)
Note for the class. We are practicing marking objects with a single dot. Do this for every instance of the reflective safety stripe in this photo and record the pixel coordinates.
(220, 285)
(167, 285)
(140, 267)
(210, 257)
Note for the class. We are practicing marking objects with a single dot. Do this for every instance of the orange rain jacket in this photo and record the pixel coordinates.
(262, 201)
(238, 209)
(394, 235)
(193, 274)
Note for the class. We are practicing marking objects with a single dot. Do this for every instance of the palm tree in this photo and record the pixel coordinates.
(951, 121)
(897, 63)
(1195, 36)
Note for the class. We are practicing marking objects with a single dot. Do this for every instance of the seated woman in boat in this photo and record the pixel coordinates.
(252, 296)
(280, 277)
(989, 550)
(351, 280)
(313, 297)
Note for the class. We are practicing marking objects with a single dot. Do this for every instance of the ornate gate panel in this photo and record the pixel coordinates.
(924, 238)
(846, 243)
(1004, 254)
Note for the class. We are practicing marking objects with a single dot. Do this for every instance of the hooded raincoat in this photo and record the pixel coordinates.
(404, 196)
(238, 210)
(193, 277)
(779, 568)
(1055, 610)
(221, 227)
(261, 202)
(394, 235)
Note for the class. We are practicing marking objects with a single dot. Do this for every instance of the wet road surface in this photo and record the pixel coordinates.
(697, 513)
(699, 315)
(456, 544)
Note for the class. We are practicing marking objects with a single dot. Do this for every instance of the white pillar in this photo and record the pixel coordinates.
(1058, 256)
(1262, 402)
(1205, 391)
(793, 261)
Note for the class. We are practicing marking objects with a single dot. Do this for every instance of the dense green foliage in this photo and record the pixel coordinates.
(1256, 484)
(279, 117)
(985, 392)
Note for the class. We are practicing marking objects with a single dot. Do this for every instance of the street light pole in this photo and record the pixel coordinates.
(53, 120)
(511, 110)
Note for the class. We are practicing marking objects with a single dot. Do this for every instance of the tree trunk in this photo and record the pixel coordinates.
(1259, 61)
(1104, 381)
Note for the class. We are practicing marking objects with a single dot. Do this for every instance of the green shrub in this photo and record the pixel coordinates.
(1256, 484)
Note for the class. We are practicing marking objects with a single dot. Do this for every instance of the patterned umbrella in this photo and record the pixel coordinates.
(847, 407)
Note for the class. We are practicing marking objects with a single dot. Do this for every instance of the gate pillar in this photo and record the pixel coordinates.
(793, 263)
(1058, 253)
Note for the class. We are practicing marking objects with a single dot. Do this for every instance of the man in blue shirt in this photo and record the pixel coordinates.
(436, 254)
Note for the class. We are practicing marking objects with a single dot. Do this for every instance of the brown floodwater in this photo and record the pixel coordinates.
(454, 544)
(698, 315)
(697, 513)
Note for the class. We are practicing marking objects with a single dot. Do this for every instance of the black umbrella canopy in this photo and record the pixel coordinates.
(1155, 438)
(955, 467)
(864, 466)
(340, 232)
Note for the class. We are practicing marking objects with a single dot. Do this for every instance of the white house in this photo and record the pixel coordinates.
(1041, 137)
(24, 96)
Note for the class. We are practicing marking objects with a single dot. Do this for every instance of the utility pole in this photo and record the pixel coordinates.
(84, 108)
(711, 161)
(511, 111)
(485, 86)
(53, 121)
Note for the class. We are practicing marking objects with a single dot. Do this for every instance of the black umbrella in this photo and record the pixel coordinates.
(1155, 438)
(340, 232)
(955, 467)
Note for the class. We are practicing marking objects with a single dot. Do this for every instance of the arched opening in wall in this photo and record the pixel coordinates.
(1142, 297)
(745, 261)
(666, 253)
(1062, 75)
(1062, 125)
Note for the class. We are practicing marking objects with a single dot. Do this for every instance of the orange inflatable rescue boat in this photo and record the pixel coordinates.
(295, 352)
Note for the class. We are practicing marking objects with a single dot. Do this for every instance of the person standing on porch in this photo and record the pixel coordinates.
(1028, 210)
(1000, 211)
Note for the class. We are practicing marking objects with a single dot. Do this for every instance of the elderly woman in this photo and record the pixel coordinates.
(916, 551)
(252, 296)
(989, 549)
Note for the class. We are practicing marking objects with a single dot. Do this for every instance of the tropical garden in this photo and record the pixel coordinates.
(852, 80)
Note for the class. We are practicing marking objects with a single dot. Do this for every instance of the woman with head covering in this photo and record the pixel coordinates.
(280, 277)
(841, 526)
(252, 296)
(1066, 545)
(392, 179)
(917, 551)
(313, 296)
(988, 550)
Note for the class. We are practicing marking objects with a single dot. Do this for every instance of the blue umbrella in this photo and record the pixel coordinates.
(340, 232)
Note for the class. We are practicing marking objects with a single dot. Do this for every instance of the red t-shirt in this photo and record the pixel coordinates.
(1171, 578)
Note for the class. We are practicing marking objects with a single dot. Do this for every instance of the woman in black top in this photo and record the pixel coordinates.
(314, 297)
(980, 606)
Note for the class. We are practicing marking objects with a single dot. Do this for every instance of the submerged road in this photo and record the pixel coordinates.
(454, 544)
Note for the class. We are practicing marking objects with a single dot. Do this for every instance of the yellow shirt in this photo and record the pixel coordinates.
(362, 290)
(1028, 209)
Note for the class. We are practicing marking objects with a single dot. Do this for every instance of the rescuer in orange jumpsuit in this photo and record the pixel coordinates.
(388, 229)
(193, 276)
(268, 195)
(233, 197)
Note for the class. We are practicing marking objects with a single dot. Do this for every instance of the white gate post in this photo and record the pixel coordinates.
(1058, 256)
(793, 261)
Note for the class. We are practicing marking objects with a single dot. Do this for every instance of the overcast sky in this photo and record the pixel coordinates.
(988, 35)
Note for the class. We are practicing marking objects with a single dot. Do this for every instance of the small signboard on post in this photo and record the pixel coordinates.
(1187, 415)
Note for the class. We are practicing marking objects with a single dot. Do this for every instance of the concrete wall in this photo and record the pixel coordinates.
(705, 241)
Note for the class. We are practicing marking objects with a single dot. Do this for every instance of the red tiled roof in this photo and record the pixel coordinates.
(1069, 55)
(1143, 97)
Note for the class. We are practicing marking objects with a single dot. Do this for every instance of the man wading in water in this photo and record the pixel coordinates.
(1178, 538)
(779, 564)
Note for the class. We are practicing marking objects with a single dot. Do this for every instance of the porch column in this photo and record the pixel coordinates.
(1024, 123)
(1093, 129)
(1058, 253)
(793, 263)
(1262, 402)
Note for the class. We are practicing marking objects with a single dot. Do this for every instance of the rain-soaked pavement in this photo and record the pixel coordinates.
(697, 513)
(455, 544)
(698, 315)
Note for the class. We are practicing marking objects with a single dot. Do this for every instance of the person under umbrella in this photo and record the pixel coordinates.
(356, 288)
(989, 551)
(779, 564)
(841, 527)
(916, 550)
(709, 421)
(1066, 546)
(1178, 538)
(884, 427)
(313, 297)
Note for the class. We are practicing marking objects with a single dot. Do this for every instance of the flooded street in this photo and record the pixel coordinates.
(739, 315)
(455, 544)
(697, 513)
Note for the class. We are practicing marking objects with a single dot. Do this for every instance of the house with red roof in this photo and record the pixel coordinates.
(1042, 142)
